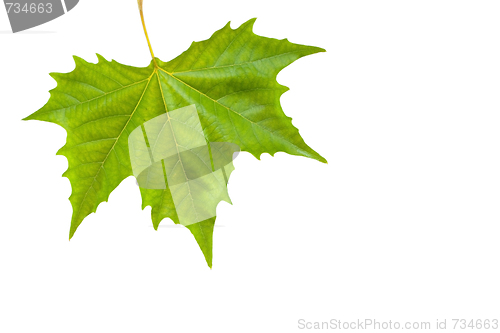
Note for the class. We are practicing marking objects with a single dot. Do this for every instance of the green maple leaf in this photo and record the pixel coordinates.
(231, 80)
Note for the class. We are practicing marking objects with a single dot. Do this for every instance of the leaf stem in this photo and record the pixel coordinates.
(139, 2)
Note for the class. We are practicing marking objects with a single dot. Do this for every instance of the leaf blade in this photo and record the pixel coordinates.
(231, 78)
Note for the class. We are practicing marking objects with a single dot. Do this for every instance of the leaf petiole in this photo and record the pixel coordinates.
(139, 2)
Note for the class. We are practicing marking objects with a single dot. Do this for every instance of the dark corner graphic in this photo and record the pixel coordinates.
(28, 14)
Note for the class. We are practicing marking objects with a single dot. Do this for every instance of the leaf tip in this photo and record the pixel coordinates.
(249, 23)
(322, 159)
(54, 75)
(74, 224)
(100, 58)
(208, 260)
(77, 60)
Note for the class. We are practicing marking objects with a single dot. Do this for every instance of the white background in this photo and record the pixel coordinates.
(402, 224)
